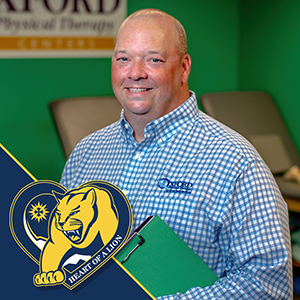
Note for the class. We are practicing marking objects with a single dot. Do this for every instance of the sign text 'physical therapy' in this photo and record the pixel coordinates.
(59, 28)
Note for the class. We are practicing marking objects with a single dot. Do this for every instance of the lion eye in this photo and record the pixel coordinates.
(73, 213)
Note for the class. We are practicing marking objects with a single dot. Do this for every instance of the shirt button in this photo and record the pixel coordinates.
(160, 141)
(138, 155)
(126, 126)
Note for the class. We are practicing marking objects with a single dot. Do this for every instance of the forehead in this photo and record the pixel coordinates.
(147, 33)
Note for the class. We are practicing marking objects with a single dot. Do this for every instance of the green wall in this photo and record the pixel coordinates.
(28, 85)
(246, 44)
(270, 55)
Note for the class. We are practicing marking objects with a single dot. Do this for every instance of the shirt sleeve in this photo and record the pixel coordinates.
(70, 171)
(258, 263)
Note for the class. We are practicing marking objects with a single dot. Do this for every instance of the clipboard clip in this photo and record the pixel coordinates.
(140, 242)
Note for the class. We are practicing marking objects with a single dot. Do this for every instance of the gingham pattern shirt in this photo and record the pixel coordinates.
(210, 186)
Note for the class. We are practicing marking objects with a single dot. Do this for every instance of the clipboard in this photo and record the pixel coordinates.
(161, 261)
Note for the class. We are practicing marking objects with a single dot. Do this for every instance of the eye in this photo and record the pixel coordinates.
(122, 59)
(156, 60)
(57, 216)
(73, 213)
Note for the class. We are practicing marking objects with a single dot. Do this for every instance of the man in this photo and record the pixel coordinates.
(233, 215)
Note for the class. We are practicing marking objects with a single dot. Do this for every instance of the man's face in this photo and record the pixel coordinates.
(147, 73)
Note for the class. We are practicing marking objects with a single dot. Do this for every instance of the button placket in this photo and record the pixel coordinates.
(138, 155)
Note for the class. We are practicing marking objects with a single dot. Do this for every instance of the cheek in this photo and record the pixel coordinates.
(166, 77)
(117, 73)
(86, 214)
(114, 76)
(117, 82)
(166, 83)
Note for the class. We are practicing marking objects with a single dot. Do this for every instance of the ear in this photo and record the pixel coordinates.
(57, 196)
(90, 196)
(186, 68)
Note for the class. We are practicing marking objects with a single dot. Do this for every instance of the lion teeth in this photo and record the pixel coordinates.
(74, 232)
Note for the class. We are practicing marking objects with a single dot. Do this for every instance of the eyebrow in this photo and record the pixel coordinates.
(76, 208)
(161, 53)
(121, 51)
(148, 52)
(115, 53)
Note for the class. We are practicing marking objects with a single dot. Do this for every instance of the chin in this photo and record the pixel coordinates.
(138, 107)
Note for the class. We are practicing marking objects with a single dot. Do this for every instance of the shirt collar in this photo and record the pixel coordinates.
(168, 125)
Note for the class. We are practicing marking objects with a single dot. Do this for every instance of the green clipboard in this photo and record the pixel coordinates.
(159, 259)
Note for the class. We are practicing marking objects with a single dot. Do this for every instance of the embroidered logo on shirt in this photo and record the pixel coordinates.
(174, 186)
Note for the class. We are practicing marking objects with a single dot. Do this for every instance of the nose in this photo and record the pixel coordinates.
(137, 71)
(61, 224)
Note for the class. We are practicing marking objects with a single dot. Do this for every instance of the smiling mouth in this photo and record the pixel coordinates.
(136, 90)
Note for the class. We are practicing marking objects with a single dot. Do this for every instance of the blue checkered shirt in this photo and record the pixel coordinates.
(210, 186)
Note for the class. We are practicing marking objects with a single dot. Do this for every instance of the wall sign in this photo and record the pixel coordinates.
(59, 28)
